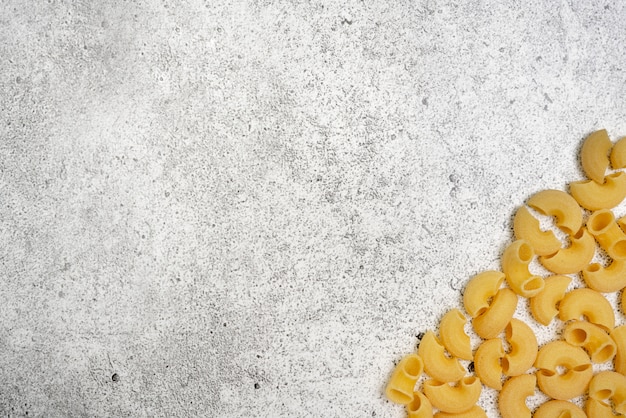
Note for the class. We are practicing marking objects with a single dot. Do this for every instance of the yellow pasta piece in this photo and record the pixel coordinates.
(573, 258)
(606, 280)
(474, 412)
(559, 409)
(419, 407)
(602, 225)
(543, 306)
(618, 154)
(588, 303)
(490, 323)
(574, 381)
(524, 348)
(480, 290)
(609, 386)
(594, 196)
(512, 397)
(436, 363)
(403, 379)
(597, 409)
(596, 341)
(453, 399)
(619, 336)
(487, 363)
(527, 228)
(594, 155)
(562, 206)
(515, 262)
(453, 336)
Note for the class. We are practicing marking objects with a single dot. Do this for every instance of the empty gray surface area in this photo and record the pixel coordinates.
(253, 208)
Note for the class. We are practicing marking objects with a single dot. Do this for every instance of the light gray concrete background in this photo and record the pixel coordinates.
(252, 208)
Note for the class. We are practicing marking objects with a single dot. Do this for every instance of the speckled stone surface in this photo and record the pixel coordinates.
(253, 208)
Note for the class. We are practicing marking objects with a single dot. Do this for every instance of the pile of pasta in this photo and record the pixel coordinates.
(508, 357)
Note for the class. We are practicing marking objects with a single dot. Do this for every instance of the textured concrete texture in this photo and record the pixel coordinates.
(253, 208)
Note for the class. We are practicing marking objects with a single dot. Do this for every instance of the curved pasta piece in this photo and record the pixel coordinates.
(524, 348)
(543, 306)
(608, 385)
(479, 290)
(559, 409)
(453, 336)
(561, 205)
(618, 154)
(487, 363)
(527, 227)
(602, 225)
(436, 363)
(594, 155)
(619, 336)
(512, 397)
(597, 409)
(419, 407)
(573, 258)
(491, 323)
(606, 279)
(574, 381)
(588, 303)
(594, 196)
(596, 341)
(403, 379)
(453, 399)
(474, 412)
(515, 262)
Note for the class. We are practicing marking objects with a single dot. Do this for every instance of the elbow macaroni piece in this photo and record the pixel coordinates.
(594, 155)
(574, 381)
(562, 206)
(474, 412)
(543, 306)
(491, 322)
(618, 154)
(527, 228)
(452, 335)
(436, 363)
(559, 409)
(596, 341)
(594, 196)
(453, 399)
(515, 262)
(608, 385)
(403, 379)
(573, 258)
(480, 289)
(602, 225)
(618, 334)
(606, 280)
(512, 397)
(487, 363)
(419, 407)
(589, 303)
(524, 348)
(597, 409)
